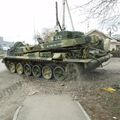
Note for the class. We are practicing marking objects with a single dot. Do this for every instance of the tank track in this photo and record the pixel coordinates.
(47, 69)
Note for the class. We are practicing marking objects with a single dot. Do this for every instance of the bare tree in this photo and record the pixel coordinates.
(107, 12)
(47, 34)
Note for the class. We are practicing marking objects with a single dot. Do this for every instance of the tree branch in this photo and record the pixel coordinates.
(106, 11)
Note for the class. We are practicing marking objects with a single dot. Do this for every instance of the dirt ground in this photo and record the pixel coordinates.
(99, 104)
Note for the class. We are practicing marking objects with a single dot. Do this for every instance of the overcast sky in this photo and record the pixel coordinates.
(19, 18)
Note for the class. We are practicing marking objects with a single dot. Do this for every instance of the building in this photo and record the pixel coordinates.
(114, 44)
(4, 45)
(117, 38)
(1, 38)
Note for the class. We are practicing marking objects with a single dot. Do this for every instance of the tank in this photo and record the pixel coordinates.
(67, 56)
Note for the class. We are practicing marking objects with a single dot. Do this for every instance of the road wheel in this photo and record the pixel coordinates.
(36, 71)
(73, 71)
(19, 68)
(11, 67)
(27, 70)
(47, 72)
(59, 73)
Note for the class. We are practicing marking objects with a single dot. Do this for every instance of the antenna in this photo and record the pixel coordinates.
(56, 5)
(63, 22)
(34, 26)
(57, 20)
(88, 26)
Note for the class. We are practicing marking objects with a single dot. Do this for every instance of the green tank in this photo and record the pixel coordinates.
(67, 56)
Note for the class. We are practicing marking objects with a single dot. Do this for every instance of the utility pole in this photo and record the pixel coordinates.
(70, 15)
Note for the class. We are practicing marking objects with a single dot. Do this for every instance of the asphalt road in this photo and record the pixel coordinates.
(51, 107)
(2, 66)
(36, 107)
(13, 94)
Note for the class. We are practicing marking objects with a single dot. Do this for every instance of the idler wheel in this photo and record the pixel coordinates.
(59, 73)
(47, 72)
(36, 71)
(11, 67)
(27, 70)
(19, 68)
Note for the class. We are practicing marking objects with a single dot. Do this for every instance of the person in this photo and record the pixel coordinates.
(40, 40)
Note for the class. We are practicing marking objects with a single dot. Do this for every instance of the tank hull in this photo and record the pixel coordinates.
(66, 57)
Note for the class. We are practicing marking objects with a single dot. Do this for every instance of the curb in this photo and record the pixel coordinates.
(16, 113)
(84, 112)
